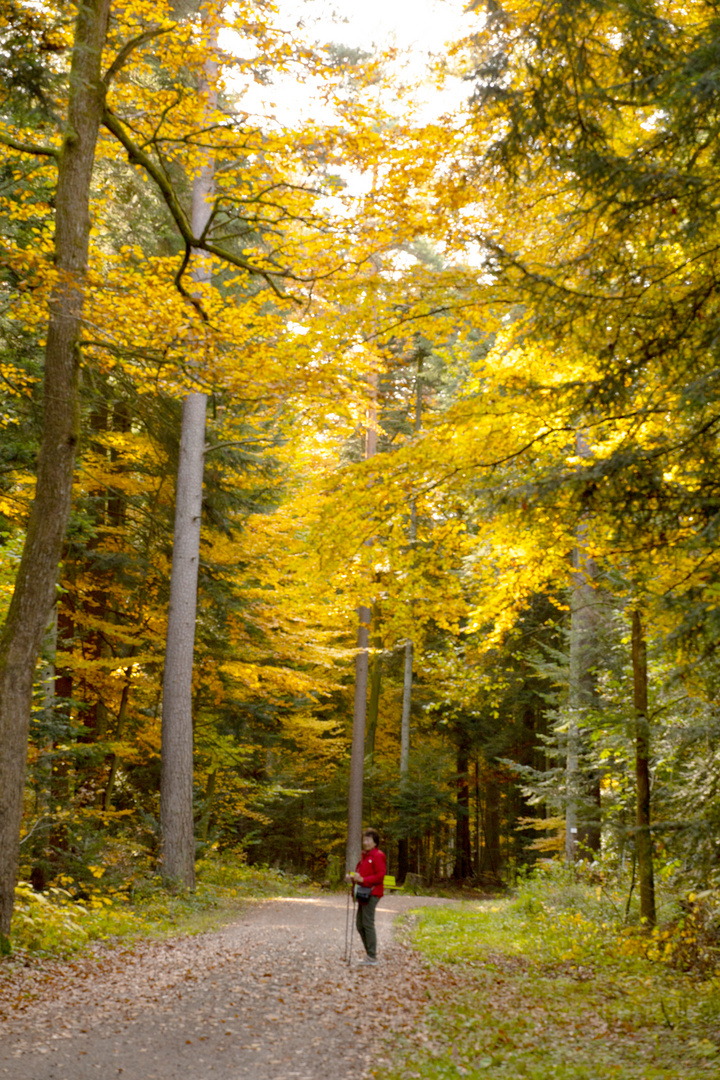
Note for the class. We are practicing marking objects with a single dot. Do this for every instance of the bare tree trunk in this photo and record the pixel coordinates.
(176, 803)
(409, 654)
(492, 858)
(34, 593)
(477, 816)
(119, 730)
(463, 859)
(176, 776)
(643, 836)
(204, 823)
(406, 705)
(408, 672)
(357, 753)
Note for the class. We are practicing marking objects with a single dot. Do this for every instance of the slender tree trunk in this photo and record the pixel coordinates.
(477, 816)
(492, 859)
(204, 823)
(176, 804)
(176, 776)
(409, 654)
(357, 753)
(119, 730)
(34, 593)
(406, 706)
(463, 860)
(643, 836)
(408, 671)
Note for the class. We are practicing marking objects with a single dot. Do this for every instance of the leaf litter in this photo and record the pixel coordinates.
(266, 997)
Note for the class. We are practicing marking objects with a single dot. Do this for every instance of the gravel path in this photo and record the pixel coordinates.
(267, 998)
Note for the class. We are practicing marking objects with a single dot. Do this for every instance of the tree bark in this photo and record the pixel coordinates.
(353, 845)
(463, 857)
(176, 804)
(643, 836)
(477, 815)
(34, 593)
(406, 706)
(409, 653)
(119, 731)
(204, 823)
(408, 671)
(176, 771)
(357, 752)
(492, 859)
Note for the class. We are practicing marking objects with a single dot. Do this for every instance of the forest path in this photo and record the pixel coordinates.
(266, 998)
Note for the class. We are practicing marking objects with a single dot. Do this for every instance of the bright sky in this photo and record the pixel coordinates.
(418, 28)
(422, 25)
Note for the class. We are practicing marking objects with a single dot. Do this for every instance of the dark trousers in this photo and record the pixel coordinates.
(365, 923)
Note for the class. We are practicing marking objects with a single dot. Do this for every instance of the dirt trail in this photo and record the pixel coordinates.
(266, 998)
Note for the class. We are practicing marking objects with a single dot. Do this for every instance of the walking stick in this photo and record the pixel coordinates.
(349, 926)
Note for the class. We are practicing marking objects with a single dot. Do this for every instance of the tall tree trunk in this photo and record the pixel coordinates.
(477, 815)
(406, 706)
(357, 752)
(408, 671)
(176, 803)
(463, 859)
(409, 652)
(204, 823)
(34, 593)
(405, 749)
(492, 859)
(176, 771)
(119, 731)
(643, 836)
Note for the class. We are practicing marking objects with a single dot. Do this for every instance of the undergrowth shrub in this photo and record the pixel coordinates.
(588, 912)
(63, 920)
(47, 923)
(689, 942)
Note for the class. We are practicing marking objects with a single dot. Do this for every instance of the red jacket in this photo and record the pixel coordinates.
(371, 868)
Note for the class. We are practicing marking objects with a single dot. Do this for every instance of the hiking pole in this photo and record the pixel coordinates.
(349, 927)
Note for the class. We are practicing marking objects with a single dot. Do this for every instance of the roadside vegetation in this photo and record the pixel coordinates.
(557, 982)
(67, 918)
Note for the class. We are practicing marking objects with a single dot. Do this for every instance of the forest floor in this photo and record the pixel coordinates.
(534, 986)
(266, 998)
(539, 986)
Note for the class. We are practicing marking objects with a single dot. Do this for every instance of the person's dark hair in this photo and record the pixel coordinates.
(374, 834)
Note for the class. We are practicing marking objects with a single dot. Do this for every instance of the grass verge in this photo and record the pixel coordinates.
(549, 985)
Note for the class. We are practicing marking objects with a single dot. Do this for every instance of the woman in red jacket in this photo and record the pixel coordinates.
(369, 871)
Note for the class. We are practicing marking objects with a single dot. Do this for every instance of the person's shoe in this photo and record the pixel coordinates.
(369, 961)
